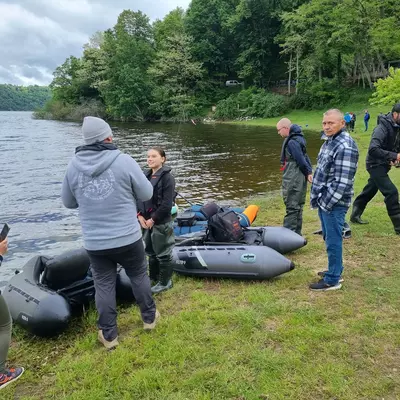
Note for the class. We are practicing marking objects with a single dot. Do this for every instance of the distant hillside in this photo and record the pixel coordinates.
(23, 98)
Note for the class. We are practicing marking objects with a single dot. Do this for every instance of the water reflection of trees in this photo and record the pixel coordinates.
(214, 161)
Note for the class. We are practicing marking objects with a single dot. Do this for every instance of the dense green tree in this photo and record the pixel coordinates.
(255, 25)
(176, 77)
(342, 39)
(65, 85)
(129, 52)
(23, 98)
(388, 89)
(93, 67)
(168, 69)
(214, 45)
(172, 24)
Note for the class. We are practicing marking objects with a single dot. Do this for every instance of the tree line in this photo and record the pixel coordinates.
(23, 98)
(176, 67)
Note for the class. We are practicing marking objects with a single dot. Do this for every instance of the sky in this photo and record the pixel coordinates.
(38, 35)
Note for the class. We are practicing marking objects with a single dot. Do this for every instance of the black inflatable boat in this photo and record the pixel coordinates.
(258, 256)
(44, 295)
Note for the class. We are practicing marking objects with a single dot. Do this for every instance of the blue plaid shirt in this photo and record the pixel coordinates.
(334, 176)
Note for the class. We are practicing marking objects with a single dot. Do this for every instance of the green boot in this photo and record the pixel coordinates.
(166, 270)
(161, 288)
(154, 269)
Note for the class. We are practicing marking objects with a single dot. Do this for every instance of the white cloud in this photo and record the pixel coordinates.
(38, 35)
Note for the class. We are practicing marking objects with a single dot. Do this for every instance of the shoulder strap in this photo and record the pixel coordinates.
(286, 142)
(303, 147)
(155, 178)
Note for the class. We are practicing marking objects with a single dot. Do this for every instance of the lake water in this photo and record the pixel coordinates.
(226, 163)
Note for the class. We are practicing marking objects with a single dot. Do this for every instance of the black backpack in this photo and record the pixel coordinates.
(210, 209)
(225, 227)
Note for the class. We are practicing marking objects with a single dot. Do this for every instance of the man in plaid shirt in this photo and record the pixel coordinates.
(331, 193)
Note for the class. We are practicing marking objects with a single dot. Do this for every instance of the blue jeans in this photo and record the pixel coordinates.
(366, 125)
(332, 225)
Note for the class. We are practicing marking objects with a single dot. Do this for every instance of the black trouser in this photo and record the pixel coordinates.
(379, 180)
(104, 269)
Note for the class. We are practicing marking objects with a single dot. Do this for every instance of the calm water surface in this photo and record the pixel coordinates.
(227, 163)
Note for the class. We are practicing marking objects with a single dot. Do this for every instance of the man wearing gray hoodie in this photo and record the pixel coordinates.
(105, 184)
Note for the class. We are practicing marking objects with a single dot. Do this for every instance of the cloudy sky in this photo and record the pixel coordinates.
(38, 35)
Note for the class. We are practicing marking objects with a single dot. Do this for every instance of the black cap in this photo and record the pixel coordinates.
(396, 108)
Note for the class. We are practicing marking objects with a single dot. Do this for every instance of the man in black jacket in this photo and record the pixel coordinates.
(383, 152)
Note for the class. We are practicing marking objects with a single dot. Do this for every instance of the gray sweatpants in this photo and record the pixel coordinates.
(5, 333)
(104, 269)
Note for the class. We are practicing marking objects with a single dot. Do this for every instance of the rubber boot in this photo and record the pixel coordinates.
(396, 223)
(356, 216)
(154, 269)
(165, 282)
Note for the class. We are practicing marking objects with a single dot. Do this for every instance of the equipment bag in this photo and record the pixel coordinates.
(224, 227)
(210, 209)
(187, 218)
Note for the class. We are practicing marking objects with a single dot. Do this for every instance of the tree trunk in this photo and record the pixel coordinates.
(297, 70)
(374, 72)
(368, 76)
(339, 69)
(290, 71)
(362, 74)
(383, 70)
(357, 70)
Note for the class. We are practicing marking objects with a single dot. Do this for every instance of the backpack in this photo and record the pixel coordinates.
(210, 209)
(224, 226)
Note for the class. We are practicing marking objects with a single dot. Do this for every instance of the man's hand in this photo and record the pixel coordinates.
(309, 178)
(142, 222)
(398, 157)
(3, 247)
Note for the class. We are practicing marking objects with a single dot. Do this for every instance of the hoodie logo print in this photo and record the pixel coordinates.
(97, 187)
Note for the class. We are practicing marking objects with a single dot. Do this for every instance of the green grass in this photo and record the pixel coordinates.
(225, 339)
(314, 118)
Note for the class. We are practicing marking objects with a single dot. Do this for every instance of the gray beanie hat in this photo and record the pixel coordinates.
(95, 130)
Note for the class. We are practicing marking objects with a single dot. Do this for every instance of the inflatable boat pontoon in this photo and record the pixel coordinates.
(278, 238)
(46, 293)
(259, 256)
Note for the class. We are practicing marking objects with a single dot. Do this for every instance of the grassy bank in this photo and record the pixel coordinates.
(224, 339)
(312, 119)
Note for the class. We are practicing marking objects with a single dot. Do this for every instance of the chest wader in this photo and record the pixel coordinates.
(294, 189)
(159, 242)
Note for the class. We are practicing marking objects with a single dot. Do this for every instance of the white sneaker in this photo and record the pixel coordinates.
(108, 345)
(149, 327)
(322, 274)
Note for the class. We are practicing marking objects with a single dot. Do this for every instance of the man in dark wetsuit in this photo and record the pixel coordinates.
(297, 170)
(383, 153)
